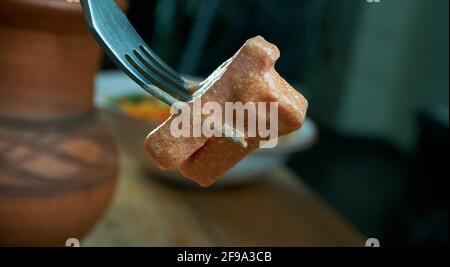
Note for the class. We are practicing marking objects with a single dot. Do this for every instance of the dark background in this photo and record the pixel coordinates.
(376, 77)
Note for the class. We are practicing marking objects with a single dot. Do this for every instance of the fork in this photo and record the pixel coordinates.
(128, 51)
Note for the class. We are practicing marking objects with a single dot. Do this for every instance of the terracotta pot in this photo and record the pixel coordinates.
(56, 179)
(58, 164)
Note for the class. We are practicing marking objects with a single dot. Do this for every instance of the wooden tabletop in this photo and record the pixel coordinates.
(276, 210)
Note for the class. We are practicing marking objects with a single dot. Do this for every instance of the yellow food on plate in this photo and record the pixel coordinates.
(144, 108)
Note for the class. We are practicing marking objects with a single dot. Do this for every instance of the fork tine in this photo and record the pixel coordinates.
(168, 73)
(160, 71)
(139, 66)
(143, 81)
(163, 67)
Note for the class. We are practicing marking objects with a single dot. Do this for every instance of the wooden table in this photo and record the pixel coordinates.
(278, 210)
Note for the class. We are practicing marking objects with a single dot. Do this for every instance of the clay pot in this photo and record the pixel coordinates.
(56, 179)
(58, 165)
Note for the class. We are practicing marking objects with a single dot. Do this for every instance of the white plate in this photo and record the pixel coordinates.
(130, 133)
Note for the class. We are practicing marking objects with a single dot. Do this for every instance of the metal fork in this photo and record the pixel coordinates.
(128, 51)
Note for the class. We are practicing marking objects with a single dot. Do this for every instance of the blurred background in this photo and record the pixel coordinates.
(376, 77)
(371, 160)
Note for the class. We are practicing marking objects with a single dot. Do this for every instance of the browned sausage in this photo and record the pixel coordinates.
(249, 76)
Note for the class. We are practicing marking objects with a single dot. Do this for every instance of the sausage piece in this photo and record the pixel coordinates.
(249, 76)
